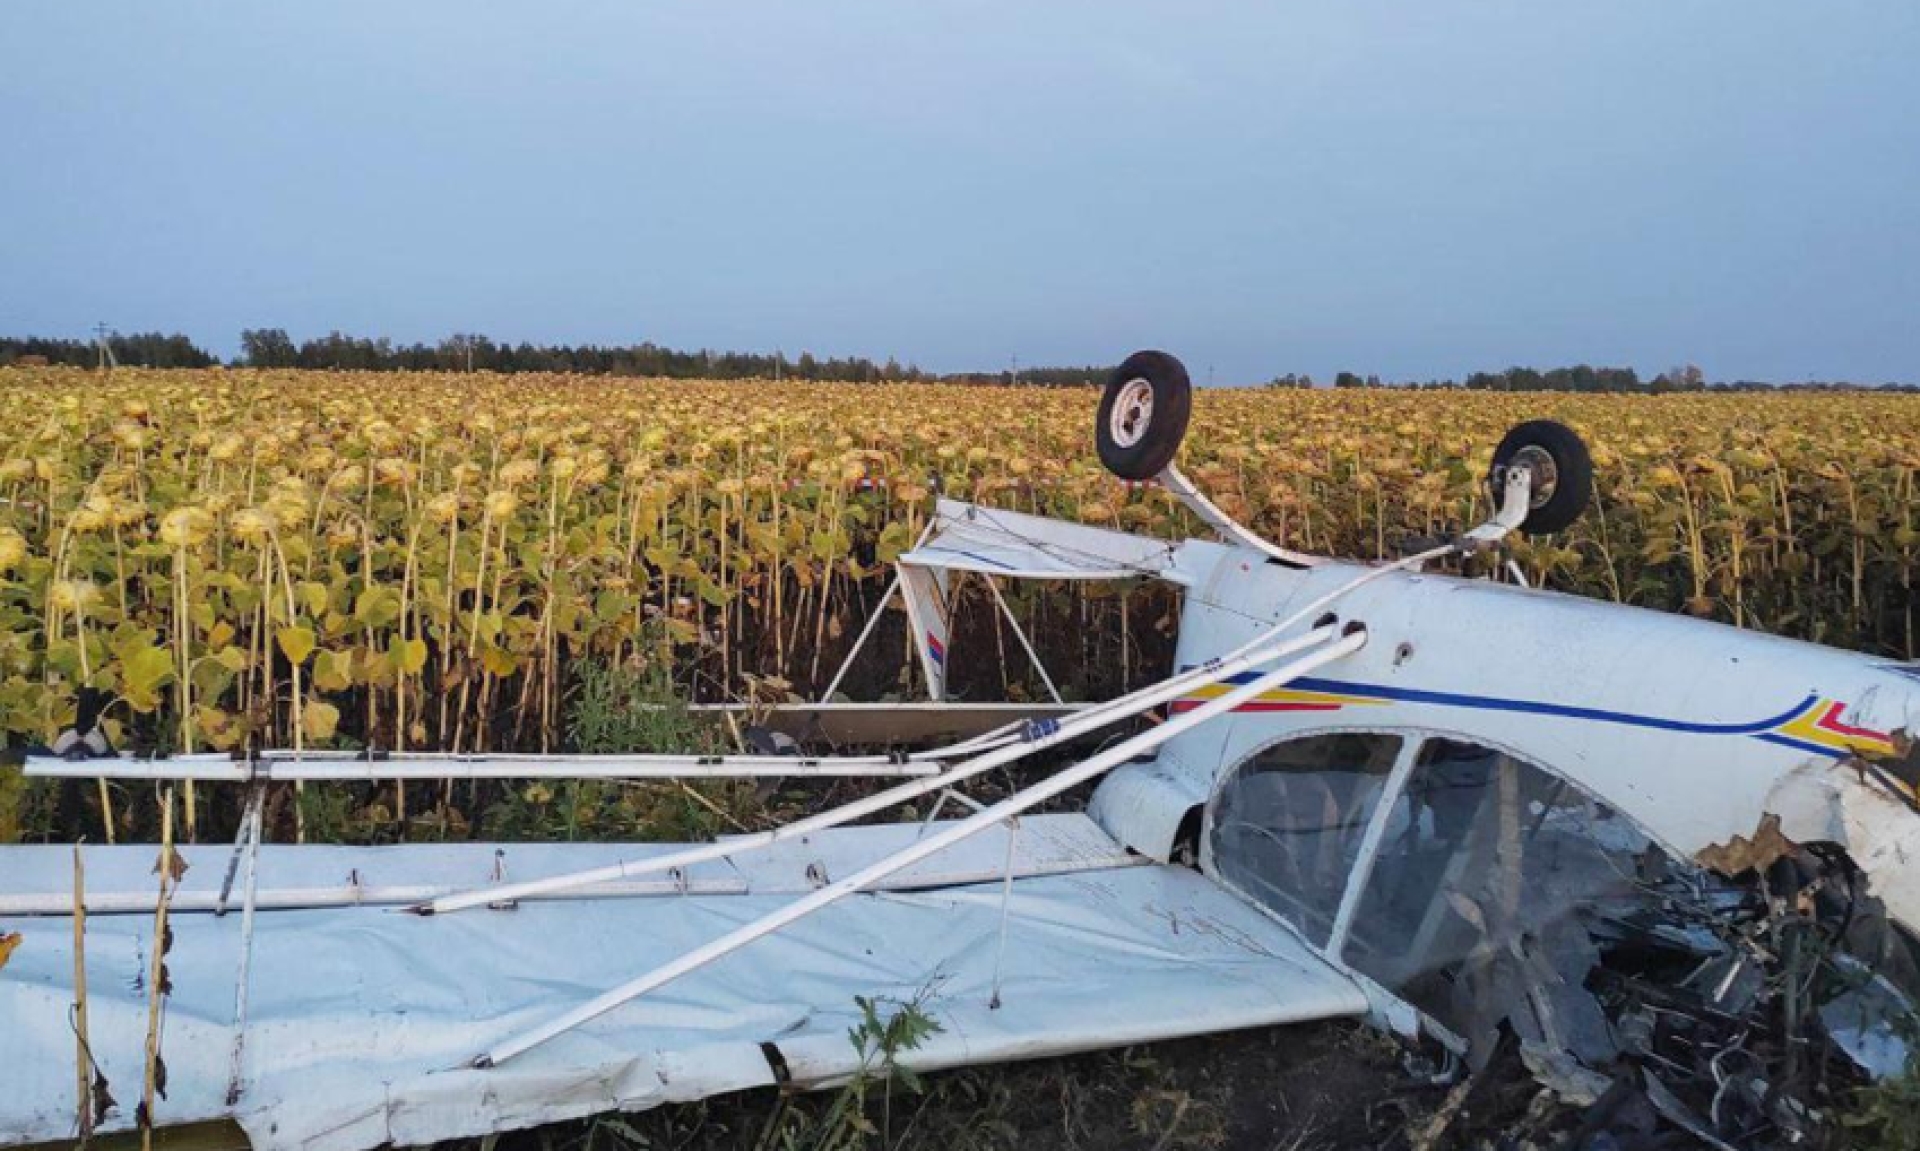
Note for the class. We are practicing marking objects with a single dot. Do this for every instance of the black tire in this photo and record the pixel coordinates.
(1143, 415)
(1563, 473)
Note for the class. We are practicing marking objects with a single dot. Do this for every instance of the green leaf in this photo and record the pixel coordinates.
(319, 719)
(333, 670)
(409, 656)
(296, 643)
(499, 661)
(713, 593)
(488, 626)
(312, 596)
(377, 607)
(893, 540)
(144, 669)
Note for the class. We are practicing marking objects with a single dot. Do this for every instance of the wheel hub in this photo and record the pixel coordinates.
(1132, 412)
(1545, 473)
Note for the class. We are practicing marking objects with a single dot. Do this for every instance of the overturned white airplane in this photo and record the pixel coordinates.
(1373, 790)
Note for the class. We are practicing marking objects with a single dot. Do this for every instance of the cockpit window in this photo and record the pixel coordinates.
(1289, 821)
(1489, 872)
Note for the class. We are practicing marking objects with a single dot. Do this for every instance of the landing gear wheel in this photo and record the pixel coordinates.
(1562, 473)
(1143, 415)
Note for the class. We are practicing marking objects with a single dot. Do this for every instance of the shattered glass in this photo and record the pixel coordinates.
(1482, 901)
(1288, 823)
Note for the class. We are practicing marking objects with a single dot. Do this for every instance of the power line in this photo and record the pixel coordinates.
(104, 360)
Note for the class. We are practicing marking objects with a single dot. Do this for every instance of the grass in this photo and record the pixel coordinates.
(1314, 1087)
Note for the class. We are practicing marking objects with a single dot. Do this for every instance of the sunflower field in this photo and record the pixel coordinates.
(307, 559)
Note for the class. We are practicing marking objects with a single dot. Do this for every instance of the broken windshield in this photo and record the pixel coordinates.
(1489, 881)
(1289, 821)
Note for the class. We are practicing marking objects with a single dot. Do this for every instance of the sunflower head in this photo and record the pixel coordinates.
(13, 549)
(185, 527)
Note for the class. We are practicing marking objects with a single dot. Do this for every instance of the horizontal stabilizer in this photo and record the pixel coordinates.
(968, 537)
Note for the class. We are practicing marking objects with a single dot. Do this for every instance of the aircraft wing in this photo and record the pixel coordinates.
(987, 541)
(362, 1019)
(990, 541)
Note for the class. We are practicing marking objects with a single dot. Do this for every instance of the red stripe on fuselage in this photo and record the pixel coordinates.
(1189, 704)
(1830, 721)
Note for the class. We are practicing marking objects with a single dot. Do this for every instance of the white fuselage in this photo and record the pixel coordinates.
(1699, 732)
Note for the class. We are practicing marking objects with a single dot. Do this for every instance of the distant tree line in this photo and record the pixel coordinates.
(274, 348)
(1043, 377)
(1579, 378)
(147, 350)
(1584, 378)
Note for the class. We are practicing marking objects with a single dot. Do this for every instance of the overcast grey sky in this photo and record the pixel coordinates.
(1414, 189)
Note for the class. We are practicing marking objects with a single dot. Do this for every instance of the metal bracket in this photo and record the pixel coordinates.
(1516, 500)
(1233, 531)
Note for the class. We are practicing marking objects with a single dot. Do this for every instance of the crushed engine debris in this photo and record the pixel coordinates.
(1651, 999)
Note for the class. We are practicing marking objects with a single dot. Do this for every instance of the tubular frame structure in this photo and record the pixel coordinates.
(1328, 651)
(1000, 748)
(1064, 731)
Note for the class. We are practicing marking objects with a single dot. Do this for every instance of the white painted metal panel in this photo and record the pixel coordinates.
(1698, 731)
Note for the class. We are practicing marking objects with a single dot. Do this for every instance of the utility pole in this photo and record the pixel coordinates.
(1016, 370)
(105, 360)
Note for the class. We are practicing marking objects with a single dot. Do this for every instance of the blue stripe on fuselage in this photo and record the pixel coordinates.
(1799, 744)
(1536, 707)
(974, 556)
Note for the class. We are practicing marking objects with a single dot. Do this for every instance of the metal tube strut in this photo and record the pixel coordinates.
(833, 892)
(1067, 729)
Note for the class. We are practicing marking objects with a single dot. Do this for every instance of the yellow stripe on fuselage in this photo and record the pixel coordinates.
(1825, 724)
(1285, 695)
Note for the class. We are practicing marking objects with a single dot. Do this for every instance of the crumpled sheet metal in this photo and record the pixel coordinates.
(362, 1019)
(1863, 1022)
(1839, 803)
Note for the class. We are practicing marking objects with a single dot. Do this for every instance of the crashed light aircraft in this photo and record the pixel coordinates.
(1372, 791)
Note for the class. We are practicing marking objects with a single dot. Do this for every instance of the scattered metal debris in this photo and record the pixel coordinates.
(1742, 1010)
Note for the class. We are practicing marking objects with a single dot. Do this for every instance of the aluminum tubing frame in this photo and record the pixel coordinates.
(1067, 729)
(1328, 652)
(1093, 718)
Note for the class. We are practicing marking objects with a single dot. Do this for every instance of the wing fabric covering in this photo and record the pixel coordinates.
(968, 537)
(992, 542)
(362, 1018)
